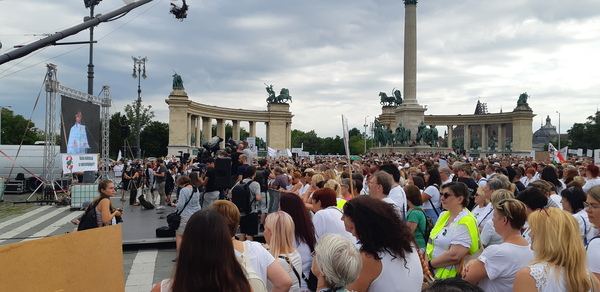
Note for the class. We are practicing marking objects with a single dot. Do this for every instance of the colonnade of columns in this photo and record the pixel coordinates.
(200, 127)
(501, 140)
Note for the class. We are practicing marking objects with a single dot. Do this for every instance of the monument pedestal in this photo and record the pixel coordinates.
(410, 116)
(414, 150)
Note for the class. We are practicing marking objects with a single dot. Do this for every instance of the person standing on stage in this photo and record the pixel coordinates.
(159, 179)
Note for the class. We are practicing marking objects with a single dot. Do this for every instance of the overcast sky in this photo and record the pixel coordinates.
(334, 56)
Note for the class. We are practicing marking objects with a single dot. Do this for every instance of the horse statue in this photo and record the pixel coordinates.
(399, 136)
(422, 133)
(433, 135)
(523, 98)
(386, 100)
(272, 98)
(398, 97)
(284, 96)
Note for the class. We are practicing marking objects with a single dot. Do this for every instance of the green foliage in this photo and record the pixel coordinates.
(117, 120)
(154, 139)
(145, 114)
(329, 145)
(585, 135)
(16, 129)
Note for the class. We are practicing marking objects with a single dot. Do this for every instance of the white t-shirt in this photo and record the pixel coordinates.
(260, 258)
(304, 251)
(593, 255)
(434, 193)
(489, 236)
(397, 208)
(118, 169)
(329, 220)
(585, 225)
(591, 183)
(556, 198)
(453, 234)
(398, 195)
(483, 214)
(297, 263)
(398, 276)
(501, 264)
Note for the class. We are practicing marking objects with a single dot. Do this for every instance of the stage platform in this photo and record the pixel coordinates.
(139, 225)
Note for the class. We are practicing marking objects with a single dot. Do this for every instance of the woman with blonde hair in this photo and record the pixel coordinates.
(559, 265)
(307, 196)
(261, 260)
(488, 235)
(330, 174)
(279, 235)
(337, 187)
(495, 268)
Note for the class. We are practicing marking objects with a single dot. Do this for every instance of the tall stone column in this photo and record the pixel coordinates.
(501, 136)
(198, 135)
(189, 129)
(236, 129)
(178, 107)
(206, 128)
(467, 137)
(450, 145)
(221, 131)
(410, 52)
(484, 137)
(252, 126)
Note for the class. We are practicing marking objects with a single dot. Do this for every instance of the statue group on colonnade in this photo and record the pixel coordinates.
(283, 97)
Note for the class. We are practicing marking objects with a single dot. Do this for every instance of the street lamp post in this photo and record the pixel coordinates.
(139, 64)
(1, 108)
(365, 136)
(558, 130)
(91, 4)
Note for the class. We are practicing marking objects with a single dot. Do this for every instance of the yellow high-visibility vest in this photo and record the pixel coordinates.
(471, 222)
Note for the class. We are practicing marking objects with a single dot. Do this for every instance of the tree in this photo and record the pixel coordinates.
(117, 121)
(146, 115)
(154, 139)
(586, 135)
(354, 132)
(15, 128)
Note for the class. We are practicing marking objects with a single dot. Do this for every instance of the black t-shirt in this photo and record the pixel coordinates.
(472, 185)
(212, 176)
(235, 163)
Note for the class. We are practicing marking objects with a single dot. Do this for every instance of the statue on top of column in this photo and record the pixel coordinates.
(177, 81)
(283, 97)
(523, 98)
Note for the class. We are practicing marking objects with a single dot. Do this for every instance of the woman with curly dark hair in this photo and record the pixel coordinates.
(206, 263)
(390, 261)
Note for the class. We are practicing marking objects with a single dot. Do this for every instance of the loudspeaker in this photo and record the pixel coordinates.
(89, 177)
(223, 172)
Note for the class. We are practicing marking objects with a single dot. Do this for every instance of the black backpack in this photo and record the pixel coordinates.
(261, 178)
(88, 220)
(428, 226)
(242, 197)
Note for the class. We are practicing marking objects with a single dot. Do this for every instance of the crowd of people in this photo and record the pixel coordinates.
(382, 223)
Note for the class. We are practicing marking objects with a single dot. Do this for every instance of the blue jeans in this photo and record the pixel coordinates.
(431, 213)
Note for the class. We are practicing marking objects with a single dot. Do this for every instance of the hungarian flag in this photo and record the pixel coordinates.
(453, 154)
(556, 154)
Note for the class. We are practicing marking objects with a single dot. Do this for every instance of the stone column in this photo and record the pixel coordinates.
(206, 128)
(178, 107)
(236, 129)
(501, 136)
(189, 129)
(252, 126)
(484, 137)
(410, 53)
(450, 137)
(221, 131)
(288, 133)
(467, 138)
(268, 141)
(198, 134)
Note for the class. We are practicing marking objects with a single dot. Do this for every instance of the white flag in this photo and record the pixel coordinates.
(272, 152)
(346, 135)
(119, 156)
(289, 152)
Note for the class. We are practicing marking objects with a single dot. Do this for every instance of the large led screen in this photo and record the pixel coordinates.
(80, 126)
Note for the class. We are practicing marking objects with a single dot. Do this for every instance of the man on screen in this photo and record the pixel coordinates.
(78, 142)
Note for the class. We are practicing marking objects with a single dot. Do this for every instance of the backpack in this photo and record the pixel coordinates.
(242, 197)
(428, 226)
(261, 178)
(89, 218)
(255, 281)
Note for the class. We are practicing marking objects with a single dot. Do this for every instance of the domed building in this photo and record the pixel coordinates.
(544, 135)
